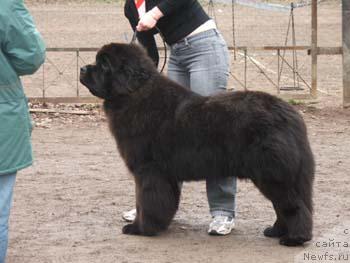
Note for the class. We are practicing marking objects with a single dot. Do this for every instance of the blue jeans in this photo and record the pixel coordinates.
(201, 63)
(7, 183)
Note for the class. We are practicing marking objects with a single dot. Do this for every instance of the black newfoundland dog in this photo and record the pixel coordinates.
(167, 134)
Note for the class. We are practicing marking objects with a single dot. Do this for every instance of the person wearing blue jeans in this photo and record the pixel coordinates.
(199, 60)
(7, 183)
(22, 51)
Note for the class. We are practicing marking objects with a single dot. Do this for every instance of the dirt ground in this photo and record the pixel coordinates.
(68, 206)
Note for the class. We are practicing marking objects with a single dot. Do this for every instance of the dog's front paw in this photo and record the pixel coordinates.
(131, 229)
(292, 242)
(274, 231)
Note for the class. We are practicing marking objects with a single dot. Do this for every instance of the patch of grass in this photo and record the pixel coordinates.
(296, 102)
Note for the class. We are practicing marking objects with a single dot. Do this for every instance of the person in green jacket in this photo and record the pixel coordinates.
(22, 51)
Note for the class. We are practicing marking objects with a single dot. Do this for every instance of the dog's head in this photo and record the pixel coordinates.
(119, 70)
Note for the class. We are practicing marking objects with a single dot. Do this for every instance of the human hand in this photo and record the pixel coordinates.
(147, 22)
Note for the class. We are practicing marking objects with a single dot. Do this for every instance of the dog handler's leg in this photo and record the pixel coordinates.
(7, 183)
(208, 61)
(221, 194)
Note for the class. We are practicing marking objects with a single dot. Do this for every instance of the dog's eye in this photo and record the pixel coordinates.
(105, 65)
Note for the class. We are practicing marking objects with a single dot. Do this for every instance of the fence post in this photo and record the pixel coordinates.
(78, 73)
(278, 71)
(346, 53)
(245, 69)
(314, 48)
(43, 90)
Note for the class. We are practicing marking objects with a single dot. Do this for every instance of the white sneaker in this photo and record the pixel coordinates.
(221, 225)
(129, 216)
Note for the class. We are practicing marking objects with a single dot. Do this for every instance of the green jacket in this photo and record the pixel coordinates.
(22, 51)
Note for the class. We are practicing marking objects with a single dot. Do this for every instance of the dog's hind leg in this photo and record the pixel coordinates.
(299, 222)
(157, 201)
(294, 220)
(294, 214)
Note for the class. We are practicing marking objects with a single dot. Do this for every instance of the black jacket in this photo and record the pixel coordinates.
(180, 18)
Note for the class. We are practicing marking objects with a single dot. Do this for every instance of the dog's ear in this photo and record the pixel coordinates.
(137, 70)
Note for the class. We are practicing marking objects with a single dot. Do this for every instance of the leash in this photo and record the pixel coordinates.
(134, 38)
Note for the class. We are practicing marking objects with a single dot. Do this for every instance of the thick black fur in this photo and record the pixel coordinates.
(167, 134)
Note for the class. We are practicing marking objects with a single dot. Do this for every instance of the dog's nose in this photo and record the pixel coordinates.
(83, 70)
